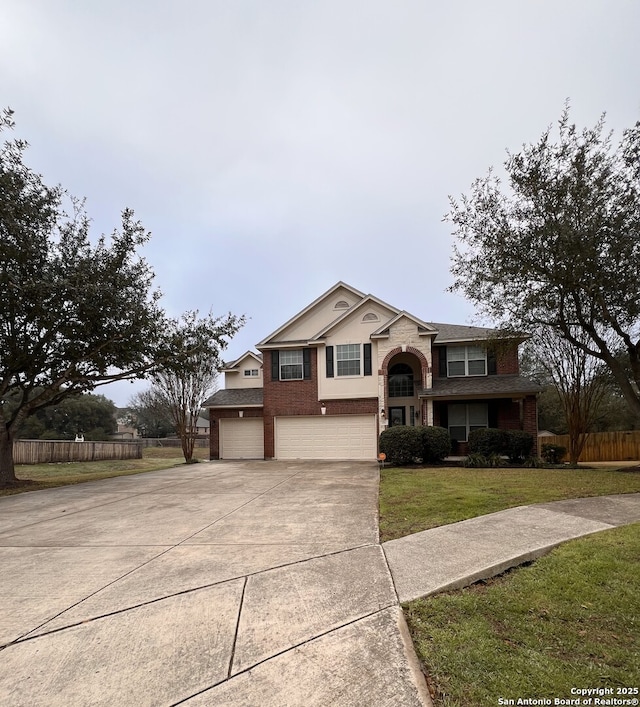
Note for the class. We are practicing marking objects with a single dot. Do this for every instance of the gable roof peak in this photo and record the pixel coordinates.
(339, 285)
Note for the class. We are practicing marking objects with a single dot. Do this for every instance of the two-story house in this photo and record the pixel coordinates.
(328, 381)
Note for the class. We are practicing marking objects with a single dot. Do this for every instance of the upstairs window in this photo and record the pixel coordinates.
(348, 359)
(291, 365)
(251, 372)
(466, 361)
(401, 381)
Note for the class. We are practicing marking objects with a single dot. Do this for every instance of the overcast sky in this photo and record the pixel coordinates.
(274, 147)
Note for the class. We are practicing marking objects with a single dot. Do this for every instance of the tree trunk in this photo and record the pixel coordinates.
(188, 443)
(7, 468)
(577, 440)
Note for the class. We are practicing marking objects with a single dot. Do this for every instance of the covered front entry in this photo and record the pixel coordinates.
(241, 438)
(352, 437)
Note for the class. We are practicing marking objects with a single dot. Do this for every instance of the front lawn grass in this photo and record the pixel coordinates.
(414, 499)
(569, 620)
(44, 476)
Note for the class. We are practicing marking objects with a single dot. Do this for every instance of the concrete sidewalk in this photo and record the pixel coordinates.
(456, 555)
(250, 583)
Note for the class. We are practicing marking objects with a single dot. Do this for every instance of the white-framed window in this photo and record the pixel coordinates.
(401, 381)
(251, 372)
(291, 365)
(466, 417)
(348, 359)
(466, 361)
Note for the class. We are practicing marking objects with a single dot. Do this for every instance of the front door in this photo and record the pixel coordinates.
(396, 416)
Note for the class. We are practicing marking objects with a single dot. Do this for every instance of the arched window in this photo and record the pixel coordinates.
(401, 381)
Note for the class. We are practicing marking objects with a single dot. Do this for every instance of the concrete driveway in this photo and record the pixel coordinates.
(221, 583)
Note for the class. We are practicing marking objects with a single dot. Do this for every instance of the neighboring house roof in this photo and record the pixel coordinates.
(489, 386)
(235, 397)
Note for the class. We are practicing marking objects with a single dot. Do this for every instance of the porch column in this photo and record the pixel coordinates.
(427, 412)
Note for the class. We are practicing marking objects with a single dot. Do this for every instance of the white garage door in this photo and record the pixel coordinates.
(241, 438)
(326, 437)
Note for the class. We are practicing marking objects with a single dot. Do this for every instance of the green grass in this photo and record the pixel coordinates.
(420, 498)
(571, 619)
(44, 476)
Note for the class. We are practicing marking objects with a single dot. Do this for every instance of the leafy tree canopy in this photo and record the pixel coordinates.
(185, 380)
(558, 245)
(74, 313)
(93, 416)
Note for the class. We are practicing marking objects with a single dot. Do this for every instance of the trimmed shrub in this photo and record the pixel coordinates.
(487, 441)
(436, 444)
(553, 453)
(402, 444)
(519, 445)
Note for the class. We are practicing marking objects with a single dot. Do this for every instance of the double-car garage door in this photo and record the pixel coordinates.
(326, 437)
(302, 437)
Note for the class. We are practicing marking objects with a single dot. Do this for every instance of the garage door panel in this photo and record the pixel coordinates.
(326, 437)
(242, 438)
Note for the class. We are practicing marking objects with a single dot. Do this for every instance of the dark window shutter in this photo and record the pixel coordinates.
(329, 350)
(367, 360)
(492, 366)
(306, 364)
(493, 414)
(275, 365)
(442, 361)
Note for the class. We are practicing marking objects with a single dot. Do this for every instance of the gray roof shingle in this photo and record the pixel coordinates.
(235, 397)
(490, 386)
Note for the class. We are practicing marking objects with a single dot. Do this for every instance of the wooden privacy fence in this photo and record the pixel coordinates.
(603, 446)
(40, 451)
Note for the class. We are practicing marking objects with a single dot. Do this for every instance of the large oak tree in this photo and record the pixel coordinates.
(557, 244)
(74, 314)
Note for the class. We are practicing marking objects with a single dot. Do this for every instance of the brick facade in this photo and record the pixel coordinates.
(300, 397)
(404, 340)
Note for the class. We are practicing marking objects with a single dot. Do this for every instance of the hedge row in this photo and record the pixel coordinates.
(515, 444)
(404, 445)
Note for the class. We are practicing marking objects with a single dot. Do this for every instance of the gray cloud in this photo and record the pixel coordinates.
(275, 148)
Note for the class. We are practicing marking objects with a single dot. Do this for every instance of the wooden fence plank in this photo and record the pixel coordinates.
(603, 446)
(39, 451)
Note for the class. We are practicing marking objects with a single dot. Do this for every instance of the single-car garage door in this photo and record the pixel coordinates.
(241, 438)
(326, 437)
